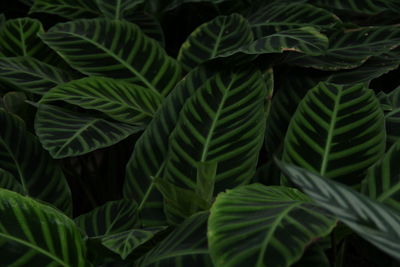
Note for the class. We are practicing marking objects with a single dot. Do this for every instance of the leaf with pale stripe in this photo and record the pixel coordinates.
(70, 9)
(337, 132)
(39, 176)
(119, 100)
(222, 123)
(373, 221)
(111, 218)
(66, 133)
(116, 9)
(222, 35)
(7, 181)
(115, 49)
(150, 152)
(255, 225)
(32, 75)
(32, 233)
(370, 7)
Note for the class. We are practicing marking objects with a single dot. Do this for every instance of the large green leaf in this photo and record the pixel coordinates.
(337, 132)
(372, 220)
(351, 48)
(70, 9)
(35, 234)
(121, 101)
(222, 123)
(222, 35)
(383, 179)
(185, 246)
(32, 75)
(66, 133)
(32, 167)
(115, 49)
(116, 9)
(255, 225)
(111, 218)
(358, 6)
(150, 152)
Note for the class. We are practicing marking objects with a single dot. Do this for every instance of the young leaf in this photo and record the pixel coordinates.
(70, 9)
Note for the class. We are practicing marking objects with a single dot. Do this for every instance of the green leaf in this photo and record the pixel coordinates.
(32, 75)
(185, 246)
(35, 234)
(358, 6)
(337, 132)
(222, 35)
(14, 102)
(116, 9)
(125, 243)
(148, 24)
(66, 133)
(131, 55)
(255, 225)
(392, 101)
(32, 167)
(70, 9)
(383, 179)
(205, 179)
(111, 218)
(373, 221)
(8, 181)
(119, 100)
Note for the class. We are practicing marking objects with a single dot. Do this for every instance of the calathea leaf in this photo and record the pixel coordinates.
(33, 171)
(8, 181)
(148, 24)
(119, 100)
(131, 56)
(337, 132)
(116, 9)
(373, 221)
(34, 233)
(66, 133)
(70, 9)
(359, 6)
(392, 114)
(249, 225)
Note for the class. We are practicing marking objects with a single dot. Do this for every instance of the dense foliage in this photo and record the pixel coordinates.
(200, 133)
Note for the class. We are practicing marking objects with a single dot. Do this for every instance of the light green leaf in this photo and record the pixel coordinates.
(66, 133)
(205, 180)
(116, 9)
(373, 221)
(35, 234)
(119, 100)
(337, 132)
(255, 225)
(70, 9)
(131, 55)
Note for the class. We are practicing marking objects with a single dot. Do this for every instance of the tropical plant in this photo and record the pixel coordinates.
(200, 133)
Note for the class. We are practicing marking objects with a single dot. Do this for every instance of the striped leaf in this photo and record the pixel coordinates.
(14, 102)
(351, 48)
(8, 181)
(150, 152)
(33, 170)
(86, 45)
(167, 5)
(255, 225)
(66, 133)
(373, 221)
(222, 123)
(392, 116)
(32, 75)
(222, 35)
(70, 9)
(125, 243)
(383, 179)
(35, 234)
(121, 101)
(116, 9)
(358, 6)
(185, 246)
(281, 15)
(337, 132)
(148, 24)
(111, 218)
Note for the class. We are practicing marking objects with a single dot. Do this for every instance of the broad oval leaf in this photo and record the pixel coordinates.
(255, 225)
(32, 167)
(222, 35)
(70, 9)
(115, 49)
(337, 132)
(119, 100)
(373, 221)
(36, 234)
(66, 133)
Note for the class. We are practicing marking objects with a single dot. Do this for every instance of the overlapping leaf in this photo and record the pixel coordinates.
(34, 171)
(222, 35)
(34, 234)
(32, 75)
(70, 9)
(337, 132)
(392, 116)
(66, 133)
(249, 226)
(115, 49)
(372, 220)
(7, 181)
(121, 101)
(116, 9)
